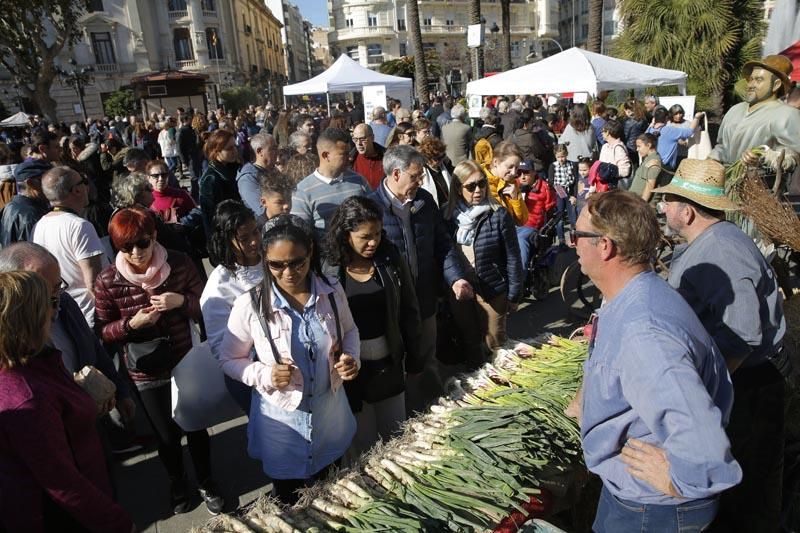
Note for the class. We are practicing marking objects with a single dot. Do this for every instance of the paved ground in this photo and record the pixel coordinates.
(142, 483)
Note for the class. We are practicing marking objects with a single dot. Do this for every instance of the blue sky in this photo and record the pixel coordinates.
(314, 11)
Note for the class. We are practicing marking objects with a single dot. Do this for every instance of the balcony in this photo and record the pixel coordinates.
(374, 60)
(106, 68)
(363, 31)
(187, 63)
(174, 15)
(443, 28)
(209, 14)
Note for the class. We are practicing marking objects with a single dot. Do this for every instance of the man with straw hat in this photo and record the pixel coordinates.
(727, 282)
(762, 119)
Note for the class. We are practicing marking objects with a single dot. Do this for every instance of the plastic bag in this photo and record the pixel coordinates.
(95, 384)
(701, 148)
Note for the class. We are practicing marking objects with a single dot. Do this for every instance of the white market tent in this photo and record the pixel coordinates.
(346, 75)
(17, 120)
(576, 70)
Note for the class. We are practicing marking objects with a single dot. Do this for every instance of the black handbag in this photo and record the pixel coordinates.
(150, 357)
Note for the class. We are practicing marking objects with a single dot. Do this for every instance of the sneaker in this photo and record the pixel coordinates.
(210, 494)
(179, 496)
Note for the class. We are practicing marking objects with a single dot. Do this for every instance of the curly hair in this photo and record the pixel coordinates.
(432, 148)
(350, 214)
(229, 217)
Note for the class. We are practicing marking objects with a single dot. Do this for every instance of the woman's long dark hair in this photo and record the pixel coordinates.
(353, 212)
(295, 230)
(230, 216)
(579, 117)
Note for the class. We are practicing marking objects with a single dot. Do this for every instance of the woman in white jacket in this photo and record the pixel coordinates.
(306, 345)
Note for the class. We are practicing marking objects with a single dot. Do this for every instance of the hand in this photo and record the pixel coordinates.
(573, 200)
(346, 367)
(103, 148)
(511, 190)
(144, 318)
(106, 407)
(575, 407)
(282, 374)
(700, 114)
(127, 409)
(463, 290)
(750, 159)
(650, 464)
(167, 301)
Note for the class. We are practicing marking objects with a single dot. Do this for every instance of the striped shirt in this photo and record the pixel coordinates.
(317, 197)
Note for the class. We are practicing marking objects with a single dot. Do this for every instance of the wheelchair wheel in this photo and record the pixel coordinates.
(579, 293)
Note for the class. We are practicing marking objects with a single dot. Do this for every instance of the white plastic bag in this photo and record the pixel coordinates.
(199, 396)
(701, 147)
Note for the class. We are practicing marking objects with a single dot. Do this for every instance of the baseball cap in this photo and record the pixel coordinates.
(33, 168)
(526, 166)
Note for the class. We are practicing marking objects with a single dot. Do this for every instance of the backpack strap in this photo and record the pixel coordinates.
(338, 352)
(255, 300)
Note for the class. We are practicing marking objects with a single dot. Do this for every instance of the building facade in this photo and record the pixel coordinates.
(322, 51)
(573, 23)
(226, 40)
(374, 32)
(296, 40)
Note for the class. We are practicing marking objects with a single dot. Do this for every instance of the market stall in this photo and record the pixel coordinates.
(497, 452)
(17, 120)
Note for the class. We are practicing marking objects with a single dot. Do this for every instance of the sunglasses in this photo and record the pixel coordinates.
(140, 244)
(158, 175)
(573, 236)
(294, 264)
(480, 184)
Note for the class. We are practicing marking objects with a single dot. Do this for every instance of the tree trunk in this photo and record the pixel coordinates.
(594, 41)
(420, 70)
(505, 22)
(476, 53)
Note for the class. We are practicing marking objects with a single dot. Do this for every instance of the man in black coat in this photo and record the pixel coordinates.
(29, 205)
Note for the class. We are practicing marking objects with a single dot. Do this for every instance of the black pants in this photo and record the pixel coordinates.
(157, 404)
(756, 434)
(286, 489)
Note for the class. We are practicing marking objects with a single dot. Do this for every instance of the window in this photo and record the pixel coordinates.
(372, 21)
(374, 50)
(352, 51)
(214, 43)
(449, 22)
(208, 5)
(584, 31)
(348, 23)
(427, 21)
(176, 5)
(103, 48)
(401, 24)
(182, 42)
(428, 47)
(515, 49)
(95, 5)
(609, 27)
(403, 49)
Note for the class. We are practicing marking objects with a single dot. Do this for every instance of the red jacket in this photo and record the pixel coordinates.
(117, 299)
(539, 201)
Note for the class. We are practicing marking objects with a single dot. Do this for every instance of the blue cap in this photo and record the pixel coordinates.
(32, 168)
(526, 166)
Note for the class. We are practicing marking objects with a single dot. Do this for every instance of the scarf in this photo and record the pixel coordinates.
(468, 218)
(157, 271)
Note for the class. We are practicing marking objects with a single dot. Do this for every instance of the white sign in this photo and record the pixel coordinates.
(474, 35)
(686, 102)
(580, 98)
(475, 102)
(374, 96)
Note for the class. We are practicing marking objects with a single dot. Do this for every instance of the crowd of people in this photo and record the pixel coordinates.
(336, 245)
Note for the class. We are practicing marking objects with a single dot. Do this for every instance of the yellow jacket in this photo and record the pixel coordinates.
(515, 207)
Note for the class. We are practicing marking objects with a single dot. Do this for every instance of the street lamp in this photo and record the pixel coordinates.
(77, 79)
(532, 55)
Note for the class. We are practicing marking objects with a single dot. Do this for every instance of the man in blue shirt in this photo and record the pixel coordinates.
(669, 134)
(656, 393)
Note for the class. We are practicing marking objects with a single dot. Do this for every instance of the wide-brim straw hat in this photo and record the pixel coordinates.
(703, 182)
(779, 65)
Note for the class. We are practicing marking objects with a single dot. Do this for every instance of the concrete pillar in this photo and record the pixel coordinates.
(198, 29)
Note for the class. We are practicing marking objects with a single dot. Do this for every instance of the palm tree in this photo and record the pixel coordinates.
(505, 28)
(420, 72)
(477, 53)
(710, 40)
(405, 66)
(594, 41)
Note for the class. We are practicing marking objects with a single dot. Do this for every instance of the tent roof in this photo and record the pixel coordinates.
(793, 53)
(345, 75)
(17, 119)
(577, 70)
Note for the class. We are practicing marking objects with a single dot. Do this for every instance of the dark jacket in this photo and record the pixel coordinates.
(498, 267)
(531, 147)
(186, 139)
(217, 183)
(436, 258)
(87, 345)
(631, 129)
(18, 217)
(402, 308)
(509, 122)
(117, 300)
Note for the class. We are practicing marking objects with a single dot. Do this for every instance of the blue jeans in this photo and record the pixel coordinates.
(562, 204)
(615, 515)
(525, 236)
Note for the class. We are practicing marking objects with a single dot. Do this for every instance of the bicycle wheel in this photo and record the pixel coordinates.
(578, 292)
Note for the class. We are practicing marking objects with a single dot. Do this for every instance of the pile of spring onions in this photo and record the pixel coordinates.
(475, 462)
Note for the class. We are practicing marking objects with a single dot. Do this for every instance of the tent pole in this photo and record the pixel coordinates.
(284, 102)
(328, 97)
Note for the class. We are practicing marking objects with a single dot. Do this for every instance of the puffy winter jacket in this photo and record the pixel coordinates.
(436, 257)
(217, 183)
(18, 218)
(498, 267)
(117, 300)
(539, 200)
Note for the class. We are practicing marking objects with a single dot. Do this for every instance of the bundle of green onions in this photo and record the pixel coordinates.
(478, 456)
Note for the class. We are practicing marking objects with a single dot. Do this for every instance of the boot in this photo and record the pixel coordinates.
(179, 495)
(210, 494)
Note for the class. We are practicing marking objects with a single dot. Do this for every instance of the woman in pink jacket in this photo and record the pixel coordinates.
(615, 152)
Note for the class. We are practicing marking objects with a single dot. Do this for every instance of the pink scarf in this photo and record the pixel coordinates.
(157, 271)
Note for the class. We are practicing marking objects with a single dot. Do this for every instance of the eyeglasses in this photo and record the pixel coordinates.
(294, 264)
(480, 184)
(573, 236)
(359, 140)
(84, 181)
(161, 175)
(141, 244)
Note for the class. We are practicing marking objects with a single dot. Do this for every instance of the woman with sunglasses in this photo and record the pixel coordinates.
(438, 170)
(403, 133)
(235, 248)
(380, 291)
(306, 346)
(171, 203)
(146, 301)
(486, 236)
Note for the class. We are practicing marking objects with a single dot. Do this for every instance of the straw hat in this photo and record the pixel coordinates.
(779, 65)
(703, 182)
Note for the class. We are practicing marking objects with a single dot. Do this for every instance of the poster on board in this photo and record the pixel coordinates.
(374, 96)
(474, 103)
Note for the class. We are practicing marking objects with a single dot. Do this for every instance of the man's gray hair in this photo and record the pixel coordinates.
(517, 106)
(401, 157)
(20, 255)
(261, 140)
(485, 113)
(378, 113)
(295, 137)
(651, 98)
(458, 112)
(126, 189)
(58, 182)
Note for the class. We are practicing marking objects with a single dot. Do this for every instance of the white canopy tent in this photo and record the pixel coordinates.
(577, 70)
(346, 75)
(17, 120)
